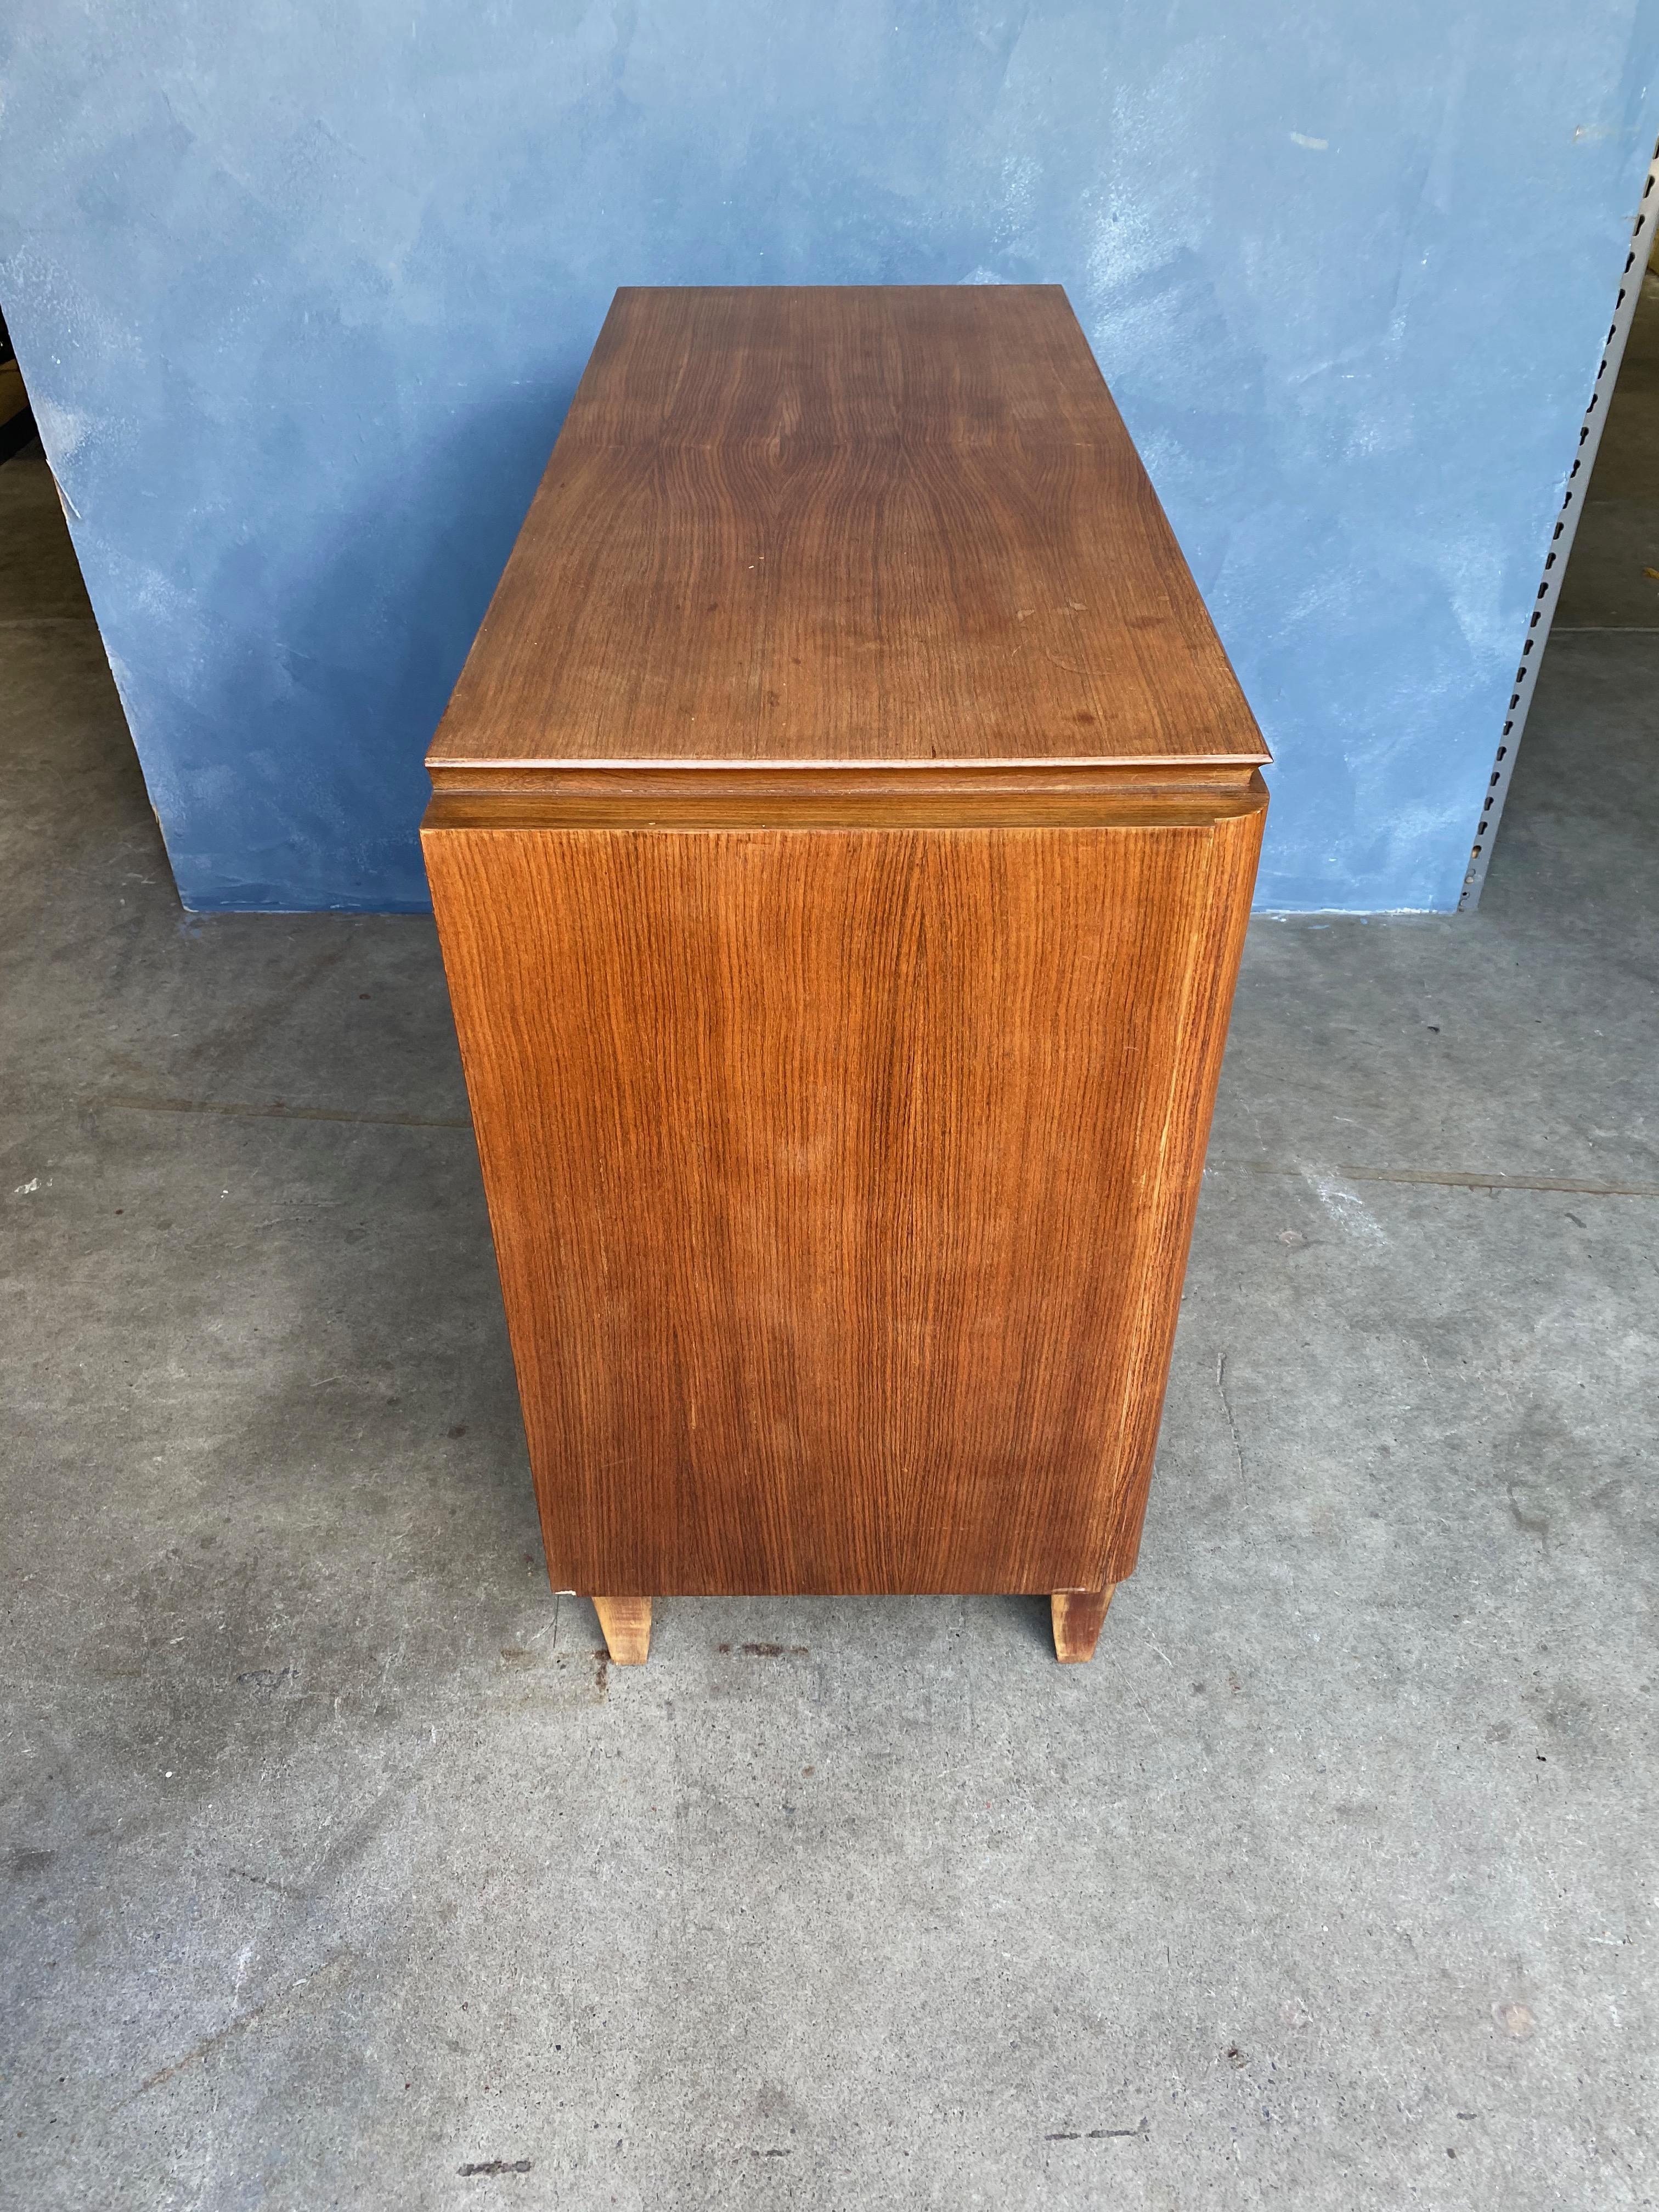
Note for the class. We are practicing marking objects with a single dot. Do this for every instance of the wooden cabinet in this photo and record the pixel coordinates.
(842, 840)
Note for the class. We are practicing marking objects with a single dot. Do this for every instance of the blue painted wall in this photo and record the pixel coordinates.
(301, 293)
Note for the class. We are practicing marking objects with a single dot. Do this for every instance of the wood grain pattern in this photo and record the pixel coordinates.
(843, 839)
(853, 524)
(842, 1185)
(625, 1624)
(1079, 1617)
(709, 798)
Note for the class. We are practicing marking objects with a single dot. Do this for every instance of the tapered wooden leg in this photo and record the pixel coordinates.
(625, 1623)
(1077, 1616)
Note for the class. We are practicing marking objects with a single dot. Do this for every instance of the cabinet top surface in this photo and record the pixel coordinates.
(863, 524)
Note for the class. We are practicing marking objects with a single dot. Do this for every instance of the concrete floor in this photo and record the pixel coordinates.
(344, 1872)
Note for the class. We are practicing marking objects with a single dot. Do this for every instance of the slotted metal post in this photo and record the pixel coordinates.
(1567, 524)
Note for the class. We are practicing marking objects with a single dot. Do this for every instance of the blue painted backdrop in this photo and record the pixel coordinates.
(301, 293)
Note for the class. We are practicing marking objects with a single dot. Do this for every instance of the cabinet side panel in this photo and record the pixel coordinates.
(1197, 1041)
(841, 1183)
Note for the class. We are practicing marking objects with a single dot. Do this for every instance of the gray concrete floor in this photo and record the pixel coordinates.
(340, 1862)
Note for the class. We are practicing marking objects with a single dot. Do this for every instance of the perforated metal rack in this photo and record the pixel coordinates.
(1555, 561)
